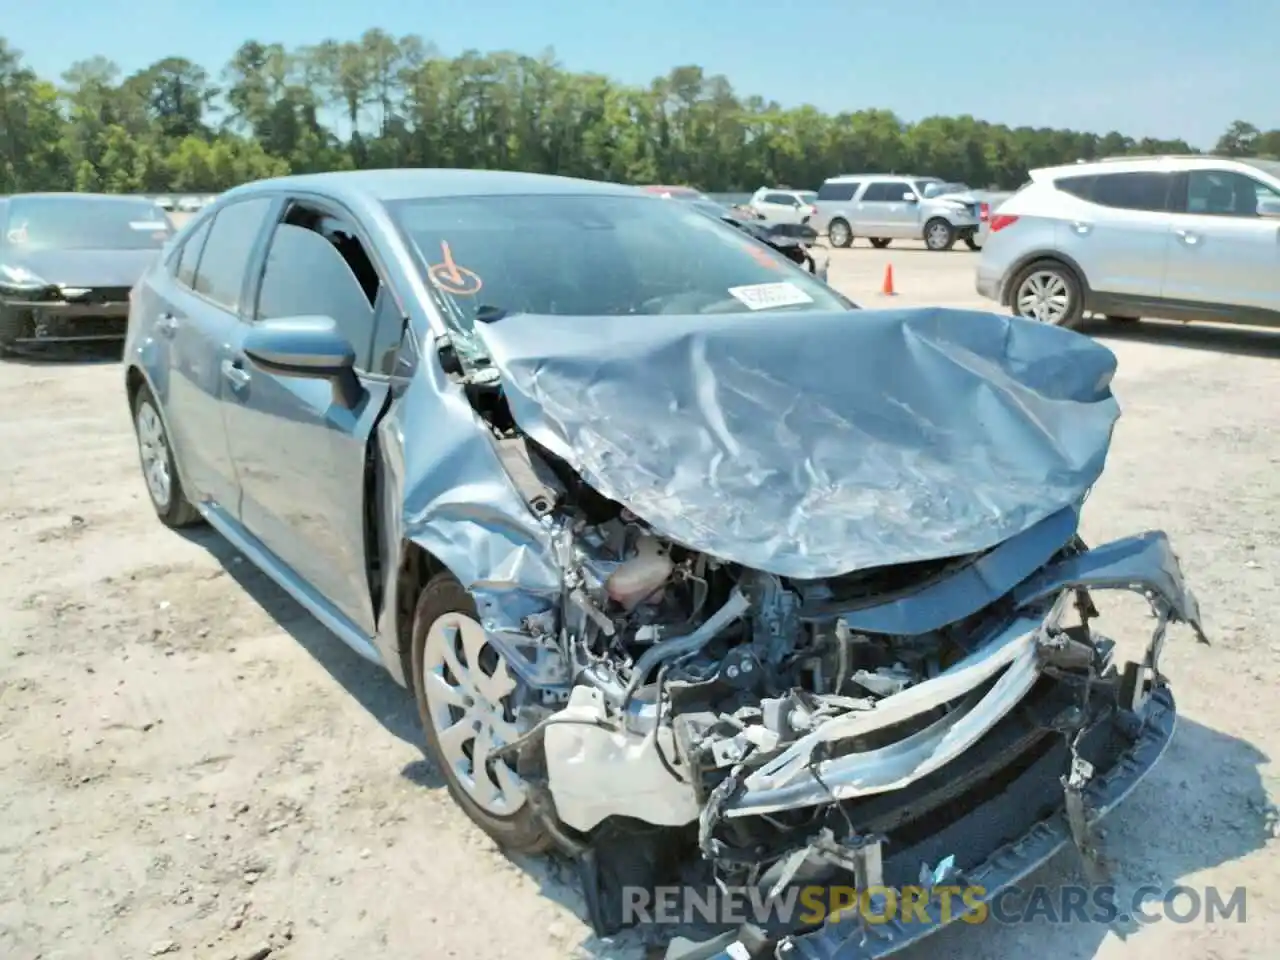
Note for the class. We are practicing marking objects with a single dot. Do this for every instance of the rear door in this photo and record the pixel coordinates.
(1221, 252)
(1116, 226)
(300, 456)
(195, 313)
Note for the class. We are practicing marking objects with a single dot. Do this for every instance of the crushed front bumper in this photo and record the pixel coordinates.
(851, 938)
(97, 316)
(1041, 794)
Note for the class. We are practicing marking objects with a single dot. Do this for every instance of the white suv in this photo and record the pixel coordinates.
(887, 207)
(1177, 238)
(784, 206)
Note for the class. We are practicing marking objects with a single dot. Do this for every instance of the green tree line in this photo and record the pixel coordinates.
(385, 101)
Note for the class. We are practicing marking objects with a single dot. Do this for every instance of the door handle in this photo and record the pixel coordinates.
(1187, 237)
(1081, 227)
(235, 374)
(167, 325)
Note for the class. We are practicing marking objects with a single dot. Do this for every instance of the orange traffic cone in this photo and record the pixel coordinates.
(886, 289)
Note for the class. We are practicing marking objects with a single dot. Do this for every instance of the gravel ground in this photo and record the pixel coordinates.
(192, 767)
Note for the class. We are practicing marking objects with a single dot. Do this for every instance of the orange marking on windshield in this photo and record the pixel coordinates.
(451, 278)
(761, 257)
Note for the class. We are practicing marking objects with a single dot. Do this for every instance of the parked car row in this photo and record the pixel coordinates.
(186, 204)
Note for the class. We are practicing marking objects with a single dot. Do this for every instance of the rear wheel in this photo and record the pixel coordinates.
(880, 242)
(1049, 292)
(939, 235)
(156, 456)
(839, 234)
(465, 693)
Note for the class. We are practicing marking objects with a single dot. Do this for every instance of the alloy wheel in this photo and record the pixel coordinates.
(468, 690)
(153, 450)
(1044, 296)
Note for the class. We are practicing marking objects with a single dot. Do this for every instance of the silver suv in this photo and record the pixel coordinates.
(1177, 238)
(884, 208)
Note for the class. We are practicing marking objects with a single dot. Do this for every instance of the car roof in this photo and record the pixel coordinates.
(69, 195)
(423, 183)
(1140, 163)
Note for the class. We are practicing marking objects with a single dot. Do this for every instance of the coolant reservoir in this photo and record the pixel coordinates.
(640, 577)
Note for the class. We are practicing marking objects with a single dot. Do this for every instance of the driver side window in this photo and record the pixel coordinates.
(317, 266)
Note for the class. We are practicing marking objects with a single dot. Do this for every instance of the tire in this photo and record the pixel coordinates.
(939, 235)
(838, 233)
(971, 241)
(881, 242)
(155, 454)
(1037, 283)
(444, 603)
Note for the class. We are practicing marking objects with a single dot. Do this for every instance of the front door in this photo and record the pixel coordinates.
(1221, 252)
(301, 456)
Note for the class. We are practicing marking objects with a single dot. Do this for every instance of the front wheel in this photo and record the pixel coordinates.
(939, 235)
(880, 242)
(839, 234)
(1048, 292)
(466, 700)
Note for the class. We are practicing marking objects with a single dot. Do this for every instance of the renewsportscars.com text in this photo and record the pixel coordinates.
(814, 905)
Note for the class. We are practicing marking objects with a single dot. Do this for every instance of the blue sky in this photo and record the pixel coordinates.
(1146, 67)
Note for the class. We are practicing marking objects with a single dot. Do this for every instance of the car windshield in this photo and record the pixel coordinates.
(85, 223)
(1271, 167)
(938, 189)
(593, 256)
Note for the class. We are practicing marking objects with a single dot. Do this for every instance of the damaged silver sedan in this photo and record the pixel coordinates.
(699, 574)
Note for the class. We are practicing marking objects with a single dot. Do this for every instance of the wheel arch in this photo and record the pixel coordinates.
(416, 566)
(1043, 256)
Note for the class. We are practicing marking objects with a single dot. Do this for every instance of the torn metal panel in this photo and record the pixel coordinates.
(814, 444)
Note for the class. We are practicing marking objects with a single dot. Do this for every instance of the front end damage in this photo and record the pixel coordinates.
(774, 661)
(60, 315)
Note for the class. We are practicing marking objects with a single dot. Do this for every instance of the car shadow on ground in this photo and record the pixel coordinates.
(389, 703)
(1212, 338)
(1159, 837)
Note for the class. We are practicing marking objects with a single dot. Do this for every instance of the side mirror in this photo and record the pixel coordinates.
(1269, 208)
(910, 198)
(309, 347)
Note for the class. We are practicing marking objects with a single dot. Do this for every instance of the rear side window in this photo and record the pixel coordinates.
(1133, 191)
(883, 191)
(189, 255)
(220, 276)
(1081, 187)
(837, 191)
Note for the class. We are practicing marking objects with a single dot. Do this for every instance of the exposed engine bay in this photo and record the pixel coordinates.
(763, 729)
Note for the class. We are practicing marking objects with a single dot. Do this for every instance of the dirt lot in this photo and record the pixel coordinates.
(192, 767)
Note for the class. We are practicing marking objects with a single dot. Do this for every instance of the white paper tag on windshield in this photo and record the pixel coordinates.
(148, 225)
(766, 296)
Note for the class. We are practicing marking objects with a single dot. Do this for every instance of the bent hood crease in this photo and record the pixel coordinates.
(815, 444)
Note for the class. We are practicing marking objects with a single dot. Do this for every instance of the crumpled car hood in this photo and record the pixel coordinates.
(814, 444)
